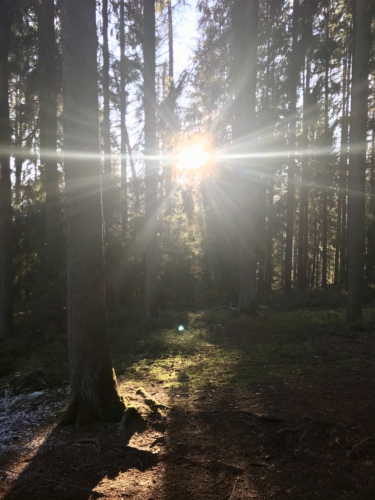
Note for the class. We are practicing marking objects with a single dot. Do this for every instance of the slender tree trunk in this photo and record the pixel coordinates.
(370, 255)
(170, 118)
(357, 157)
(245, 24)
(269, 242)
(132, 168)
(325, 176)
(315, 252)
(338, 237)
(293, 85)
(124, 180)
(151, 164)
(342, 177)
(304, 194)
(261, 232)
(106, 131)
(6, 230)
(47, 70)
(18, 156)
(170, 42)
(93, 387)
(344, 155)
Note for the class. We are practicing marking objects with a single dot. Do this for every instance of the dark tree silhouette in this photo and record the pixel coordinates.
(94, 391)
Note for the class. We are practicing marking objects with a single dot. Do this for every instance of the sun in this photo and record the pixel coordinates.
(192, 157)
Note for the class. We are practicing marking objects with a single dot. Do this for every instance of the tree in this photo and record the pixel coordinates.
(245, 45)
(93, 387)
(6, 230)
(357, 156)
(106, 130)
(47, 73)
(124, 135)
(304, 189)
(340, 262)
(151, 164)
(293, 84)
(325, 175)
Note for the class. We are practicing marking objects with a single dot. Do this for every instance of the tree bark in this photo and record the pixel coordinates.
(344, 154)
(245, 24)
(93, 387)
(304, 190)
(357, 156)
(47, 70)
(325, 175)
(6, 229)
(151, 164)
(124, 181)
(269, 236)
(106, 131)
(370, 254)
(293, 84)
(170, 43)
(342, 176)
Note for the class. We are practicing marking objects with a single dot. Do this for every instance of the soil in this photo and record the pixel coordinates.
(309, 436)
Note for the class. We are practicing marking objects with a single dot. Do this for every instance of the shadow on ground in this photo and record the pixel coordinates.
(303, 430)
(72, 463)
(261, 414)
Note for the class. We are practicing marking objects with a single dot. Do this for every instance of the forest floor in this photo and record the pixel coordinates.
(274, 407)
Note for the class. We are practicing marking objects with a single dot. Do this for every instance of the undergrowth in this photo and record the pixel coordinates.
(191, 350)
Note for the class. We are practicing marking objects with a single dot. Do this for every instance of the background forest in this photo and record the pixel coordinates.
(270, 92)
(280, 94)
(187, 249)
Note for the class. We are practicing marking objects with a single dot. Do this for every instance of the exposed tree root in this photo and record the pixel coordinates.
(82, 413)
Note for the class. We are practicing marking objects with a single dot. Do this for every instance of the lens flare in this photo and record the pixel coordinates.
(192, 157)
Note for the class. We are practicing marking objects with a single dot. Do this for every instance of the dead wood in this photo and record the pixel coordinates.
(95, 442)
(70, 485)
(264, 418)
(232, 468)
(234, 487)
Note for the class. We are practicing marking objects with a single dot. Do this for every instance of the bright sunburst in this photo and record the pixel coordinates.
(192, 157)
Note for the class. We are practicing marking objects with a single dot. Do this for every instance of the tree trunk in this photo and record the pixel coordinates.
(344, 154)
(93, 387)
(325, 176)
(370, 254)
(18, 132)
(170, 43)
(357, 156)
(151, 164)
(342, 176)
(106, 131)
(137, 204)
(315, 252)
(304, 190)
(293, 85)
(6, 230)
(245, 24)
(124, 180)
(269, 241)
(47, 71)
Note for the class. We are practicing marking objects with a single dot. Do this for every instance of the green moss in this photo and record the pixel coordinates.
(215, 348)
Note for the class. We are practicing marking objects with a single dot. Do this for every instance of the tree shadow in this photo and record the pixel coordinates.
(72, 462)
(301, 432)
